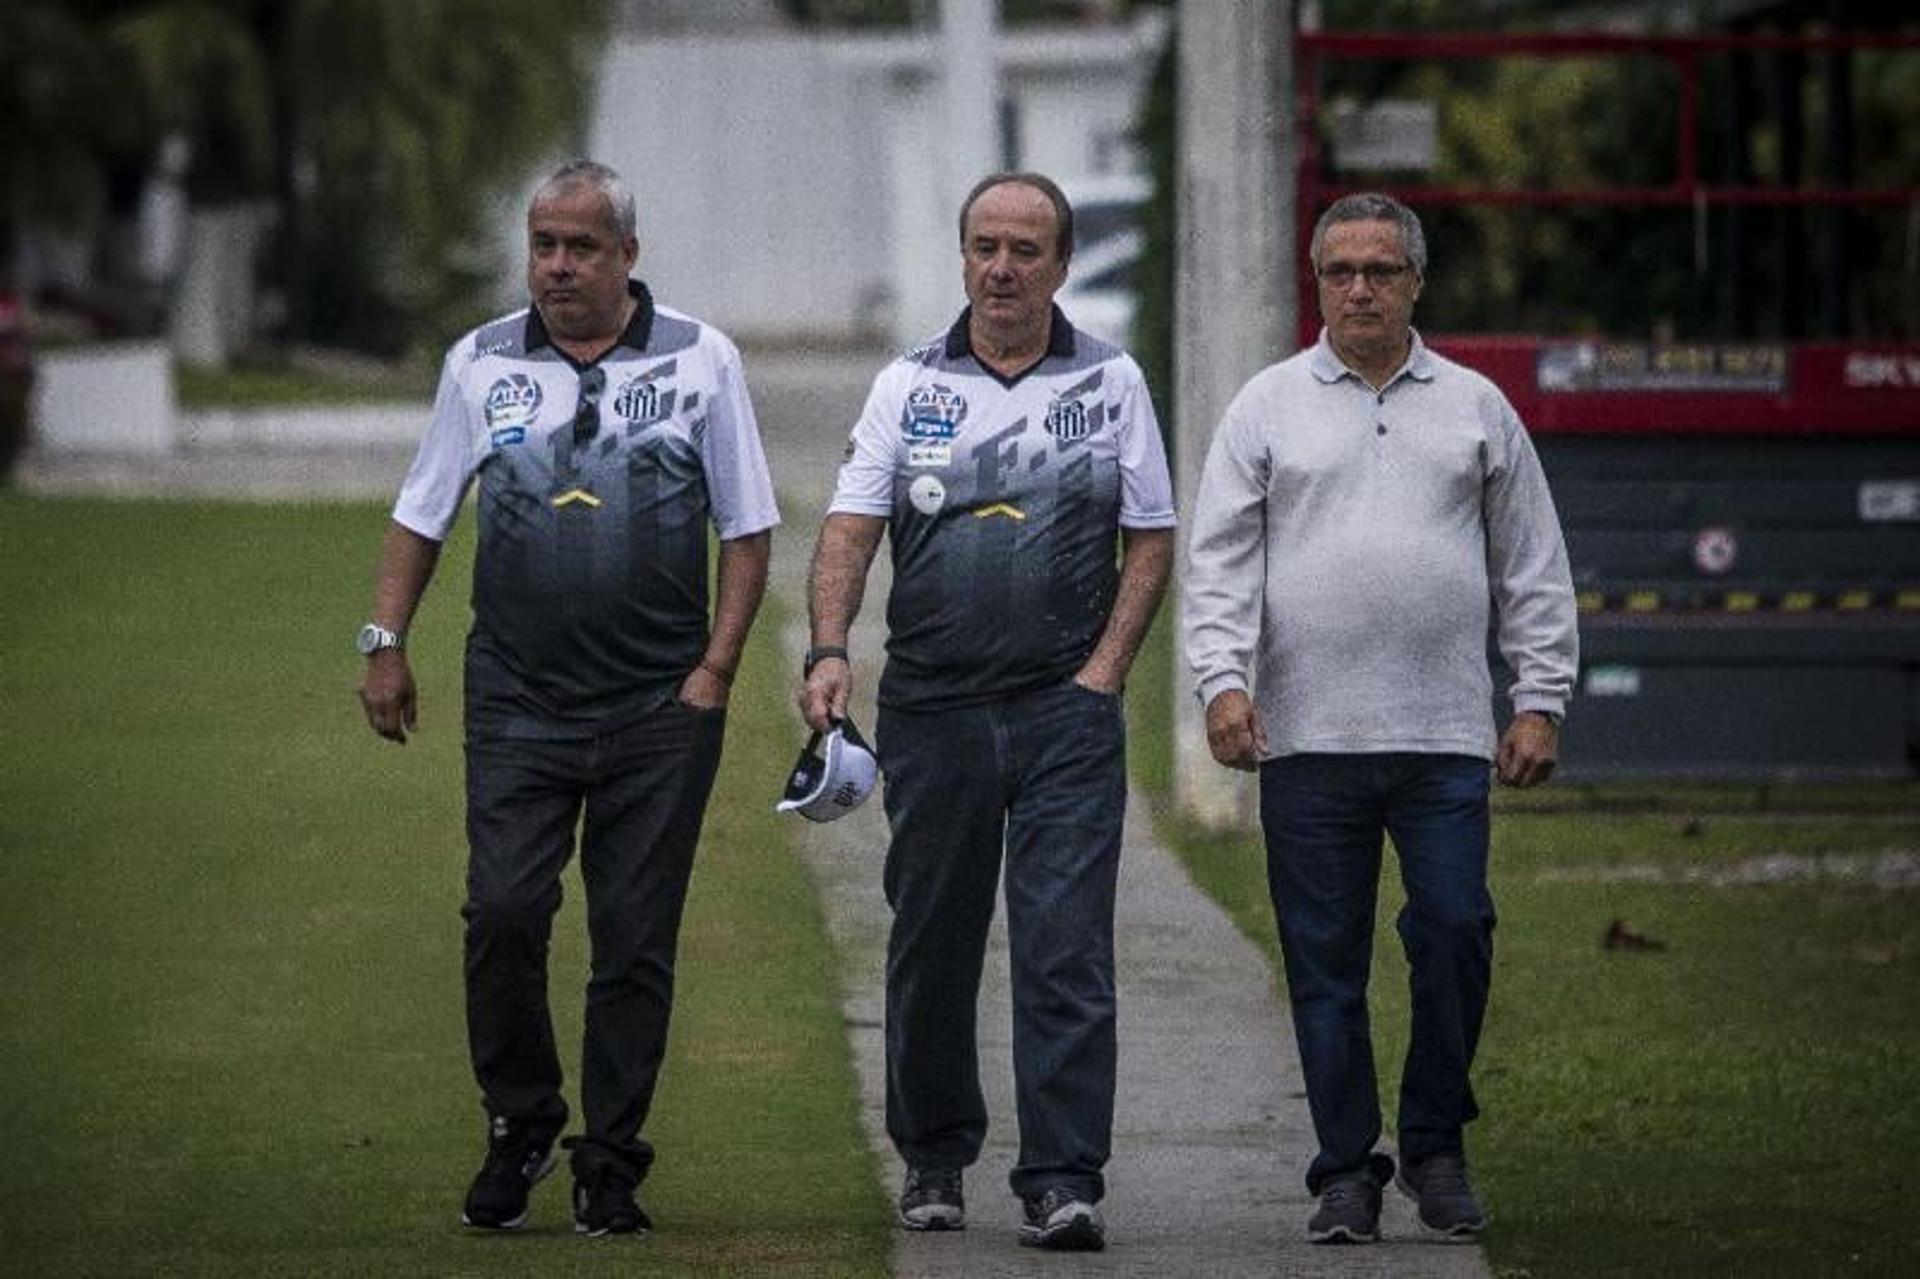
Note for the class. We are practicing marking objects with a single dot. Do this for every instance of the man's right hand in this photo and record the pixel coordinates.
(1234, 732)
(823, 698)
(387, 695)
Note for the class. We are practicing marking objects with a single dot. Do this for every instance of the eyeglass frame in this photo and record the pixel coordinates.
(1378, 275)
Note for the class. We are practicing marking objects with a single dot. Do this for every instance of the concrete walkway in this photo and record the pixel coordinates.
(1211, 1128)
(1212, 1133)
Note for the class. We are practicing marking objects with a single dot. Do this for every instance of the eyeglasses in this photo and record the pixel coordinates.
(1341, 275)
(586, 413)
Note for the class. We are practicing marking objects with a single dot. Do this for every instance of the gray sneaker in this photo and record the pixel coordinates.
(1349, 1210)
(932, 1200)
(1440, 1190)
(1060, 1221)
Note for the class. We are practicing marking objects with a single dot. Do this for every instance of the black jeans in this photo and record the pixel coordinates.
(1324, 817)
(1042, 776)
(638, 795)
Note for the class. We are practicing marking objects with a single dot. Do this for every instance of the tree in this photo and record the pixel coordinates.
(67, 115)
(406, 124)
(383, 134)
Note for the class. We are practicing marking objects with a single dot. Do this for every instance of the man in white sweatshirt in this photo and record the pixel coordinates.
(1364, 505)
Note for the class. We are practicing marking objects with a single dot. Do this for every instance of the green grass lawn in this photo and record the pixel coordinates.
(231, 1035)
(1745, 1101)
(256, 386)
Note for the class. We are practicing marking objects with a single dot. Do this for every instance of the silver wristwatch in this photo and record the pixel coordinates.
(374, 637)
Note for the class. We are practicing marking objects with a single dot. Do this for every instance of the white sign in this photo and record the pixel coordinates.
(1715, 550)
(1613, 681)
(1886, 500)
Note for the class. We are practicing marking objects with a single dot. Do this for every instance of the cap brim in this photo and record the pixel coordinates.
(807, 779)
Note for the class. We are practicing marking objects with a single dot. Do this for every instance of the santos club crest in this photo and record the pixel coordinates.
(647, 398)
(1067, 421)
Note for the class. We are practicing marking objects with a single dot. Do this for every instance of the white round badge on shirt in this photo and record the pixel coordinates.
(927, 494)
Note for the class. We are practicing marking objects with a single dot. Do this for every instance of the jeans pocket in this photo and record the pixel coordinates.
(1113, 698)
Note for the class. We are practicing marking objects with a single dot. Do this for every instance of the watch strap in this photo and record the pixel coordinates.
(818, 654)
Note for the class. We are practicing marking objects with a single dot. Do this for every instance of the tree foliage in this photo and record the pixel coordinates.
(412, 121)
(63, 97)
(1518, 124)
(1158, 135)
(384, 134)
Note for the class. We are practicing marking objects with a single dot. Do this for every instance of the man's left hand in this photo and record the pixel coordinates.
(703, 690)
(1097, 681)
(1529, 749)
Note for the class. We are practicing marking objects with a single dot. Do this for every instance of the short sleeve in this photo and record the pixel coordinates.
(1146, 486)
(443, 465)
(738, 483)
(866, 476)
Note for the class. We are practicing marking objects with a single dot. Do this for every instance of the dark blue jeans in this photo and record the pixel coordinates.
(1042, 776)
(1324, 816)
(638, 796)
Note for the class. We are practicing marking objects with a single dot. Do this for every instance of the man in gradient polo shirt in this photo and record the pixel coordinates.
(606, 434)
(1004, 459)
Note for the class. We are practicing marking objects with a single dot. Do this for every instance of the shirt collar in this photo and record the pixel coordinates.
(1328, 367)
(637, 334)
(1060, 340)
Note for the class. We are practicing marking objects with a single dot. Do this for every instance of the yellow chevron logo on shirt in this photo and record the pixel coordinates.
(1000, 508)
(571, 496)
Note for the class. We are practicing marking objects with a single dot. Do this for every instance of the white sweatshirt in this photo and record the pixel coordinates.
(1347, 546)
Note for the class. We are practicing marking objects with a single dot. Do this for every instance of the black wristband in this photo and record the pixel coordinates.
(819, 654)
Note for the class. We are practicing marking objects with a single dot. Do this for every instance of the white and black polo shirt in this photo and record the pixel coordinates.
(597, 484)
(1003, 499)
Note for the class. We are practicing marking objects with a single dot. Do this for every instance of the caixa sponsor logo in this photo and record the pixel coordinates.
(934, 412)
(513, 400)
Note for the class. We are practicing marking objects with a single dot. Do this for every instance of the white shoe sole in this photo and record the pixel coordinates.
(935, 1219)
(1075, 1228)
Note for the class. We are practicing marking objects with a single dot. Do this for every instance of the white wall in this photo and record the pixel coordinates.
(792, 186)
(112, 397)
(751, 158)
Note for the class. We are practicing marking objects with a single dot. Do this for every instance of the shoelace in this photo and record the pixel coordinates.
(1444, 1176)
(1344, 1193)
(513, 1157)
(941, 1185)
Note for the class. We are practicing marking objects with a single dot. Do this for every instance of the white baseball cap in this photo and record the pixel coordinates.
(833, 776)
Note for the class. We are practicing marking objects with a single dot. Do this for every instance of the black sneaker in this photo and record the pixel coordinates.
(1060, 1221)
(1349, 1210)
(1442, 1194)
(517, 1158)
(932, 1200)
(603, 1204)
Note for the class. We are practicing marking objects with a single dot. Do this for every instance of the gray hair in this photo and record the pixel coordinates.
(591, 173)
(1370, 206)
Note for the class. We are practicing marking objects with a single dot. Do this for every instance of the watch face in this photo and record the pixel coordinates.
(372, 639)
